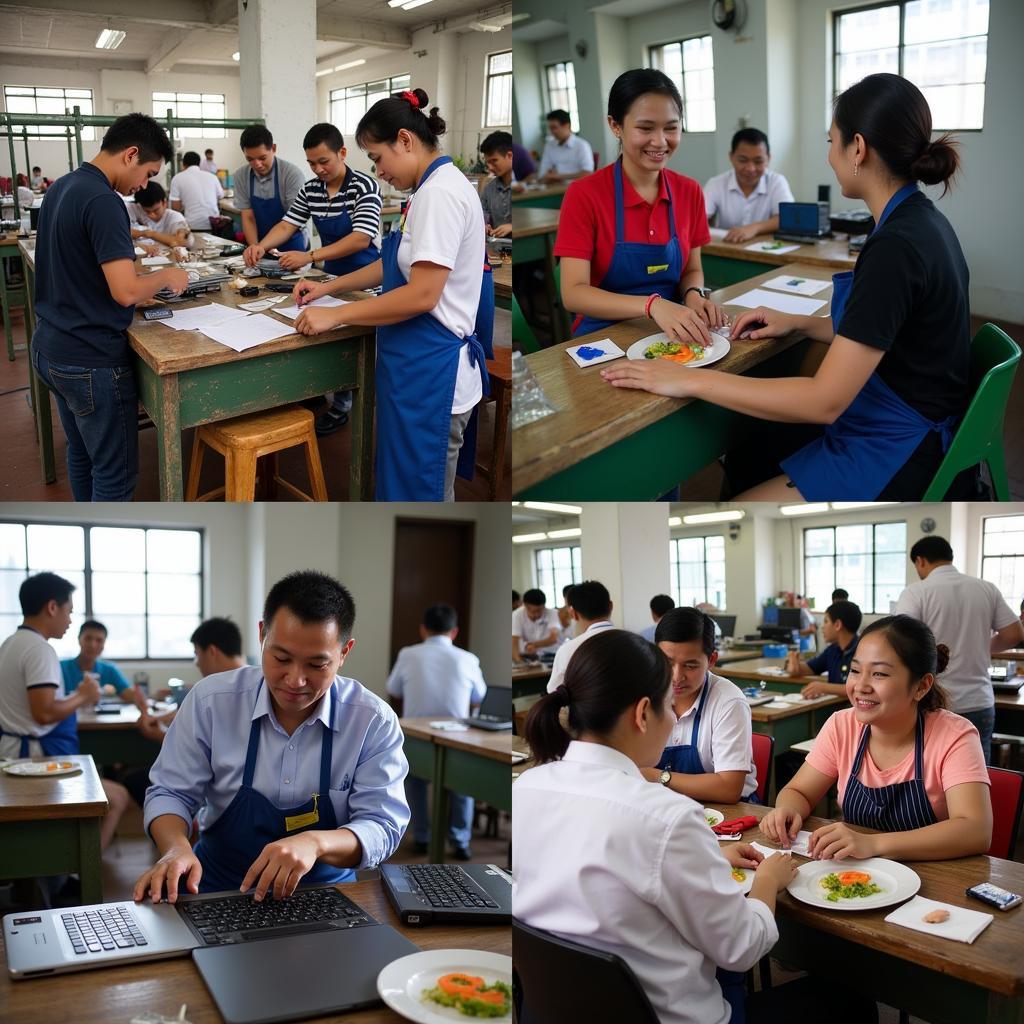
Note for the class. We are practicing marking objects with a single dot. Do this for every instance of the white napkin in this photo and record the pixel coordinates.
(782, 705)
(595, 352)
(797, 846)
(446, 726)
(963, 925)
(517, 756)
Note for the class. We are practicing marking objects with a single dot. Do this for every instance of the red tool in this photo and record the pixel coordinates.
(734, 827)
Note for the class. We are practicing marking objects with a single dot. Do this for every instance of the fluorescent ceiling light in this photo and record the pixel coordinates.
(559, 534)
(527, 538)
(728, 516)
(845, 506)
(414, 3)
(326, 71)
(809, 508)
(397, 3)
(236, 56)
(675, 520)
(350, 64)
(551, 506)
(110, 39)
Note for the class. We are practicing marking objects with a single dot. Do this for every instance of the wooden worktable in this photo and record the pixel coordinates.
(527, 222)
(830, 253)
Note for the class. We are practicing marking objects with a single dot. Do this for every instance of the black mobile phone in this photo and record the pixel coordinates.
(157, 313)
(991, 894)
(285, 288)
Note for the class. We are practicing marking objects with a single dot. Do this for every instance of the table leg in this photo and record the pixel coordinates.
(7, 318)
(44, 424)
(360, 472)
(168, 437)
(438, 809)
(89, 871)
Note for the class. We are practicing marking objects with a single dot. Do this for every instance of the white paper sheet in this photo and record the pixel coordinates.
(797, 285)
(139, 251)
(154, 261)
(962, 925)
(248, 332)
(606, 347)
(798, 845)
(200, 317)
(325, 300)
(776, 300)
(717, 234)
(777, 247)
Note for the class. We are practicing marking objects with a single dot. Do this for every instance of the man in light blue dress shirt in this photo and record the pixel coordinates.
(295, 771)
(437, 679)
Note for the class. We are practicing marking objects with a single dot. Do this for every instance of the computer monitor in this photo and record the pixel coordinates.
(790, 618)
(726, 623)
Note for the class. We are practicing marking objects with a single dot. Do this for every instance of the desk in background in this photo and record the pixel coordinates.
(502, 276)
(727, 263)
(533, 240)
(743, 672)
(797, 722)
(11, 297)
(115, 739)
(531, 681)
(545, 197)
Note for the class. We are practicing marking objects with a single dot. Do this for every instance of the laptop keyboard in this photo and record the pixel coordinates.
(447, 885)
(105, 928)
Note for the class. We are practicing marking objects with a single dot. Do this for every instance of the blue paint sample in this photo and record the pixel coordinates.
(589, 352)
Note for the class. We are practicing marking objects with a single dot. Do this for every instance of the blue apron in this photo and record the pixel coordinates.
(228, 848)
(334, 229)
(874, 438)
(638, 268)
(269, 212)
(899, 807)
(484, 330)
(417, 365)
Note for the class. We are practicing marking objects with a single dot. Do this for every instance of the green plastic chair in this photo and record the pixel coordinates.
(522, 334)
(979, 438)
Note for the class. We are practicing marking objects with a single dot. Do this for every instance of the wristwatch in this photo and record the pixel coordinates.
(665, 778)
(704, 293)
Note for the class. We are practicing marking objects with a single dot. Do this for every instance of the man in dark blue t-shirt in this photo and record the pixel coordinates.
(86, 291)
(839, 628)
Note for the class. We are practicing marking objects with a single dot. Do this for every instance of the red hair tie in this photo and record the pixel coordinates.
(412, 99)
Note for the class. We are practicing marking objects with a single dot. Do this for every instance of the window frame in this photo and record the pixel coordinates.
(340, 123)
(574, 115)
(186, 133)
(536, 553)
(87, 611)
(1014, 600)
(488, 79)
(674, 562)
(651, 47)
(57, 133)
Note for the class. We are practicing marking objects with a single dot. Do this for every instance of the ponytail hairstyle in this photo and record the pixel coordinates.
(915, 646)
(606, 676)
(895, 120)
(386, 118)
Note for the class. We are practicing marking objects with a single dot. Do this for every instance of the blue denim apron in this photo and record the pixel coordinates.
(484, 330)
(417, 365)
(873, 439)
(333, 229)
(269, 212)
(228, 848)
(638, 268)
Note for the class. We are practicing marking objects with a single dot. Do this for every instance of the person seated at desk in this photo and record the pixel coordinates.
(535, 627)
(746, 199)
(661, 605)
(839, 628)
(37, 181)
(708, 756)
(894, 384)
(92, 638)
(591, 608)
(496, 197)
(629, 236)
(434, 678)
(195, 193)
(904, 764)
(26, 197)
(516, 600)
(566, 622)
(156, 222)
(298, 770)
(566, 155)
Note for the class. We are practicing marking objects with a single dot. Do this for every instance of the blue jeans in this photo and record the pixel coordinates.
(99, 410)
(460, 813)
(985, 721)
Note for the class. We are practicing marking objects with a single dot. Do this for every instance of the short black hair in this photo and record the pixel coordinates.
(37, 591)
(220, 633)
(662, 604)
(325, 133)
(932, 549)
(561, 116)
(205, 151)
(497, 142)
(152, 194)
(752, 136)
(37, 168)
(591, 600)
(846, 612)
(312, 597)
(138, 130)
(440, 618)
(190, 159)
(256, 135)
(92, 624)
(566, 589)
(686, 625)
(840, 595)
(516, 596)
(535, 596)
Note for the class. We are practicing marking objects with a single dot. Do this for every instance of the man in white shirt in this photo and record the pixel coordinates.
(972, 619)
(661, 605)
(746, 199)
(207, 164)
(437, 679)
(196, 193)
(535, 627)
(154, 221)
(591, 607)
(565, 155)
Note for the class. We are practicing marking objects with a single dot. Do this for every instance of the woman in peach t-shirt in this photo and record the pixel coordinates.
(905, 765)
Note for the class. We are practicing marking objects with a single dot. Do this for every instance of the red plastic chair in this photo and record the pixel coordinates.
(763, 752)
(1007, 795)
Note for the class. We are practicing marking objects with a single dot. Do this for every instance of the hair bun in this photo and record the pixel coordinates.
(942, 660)
(422, 97)
(938, 162)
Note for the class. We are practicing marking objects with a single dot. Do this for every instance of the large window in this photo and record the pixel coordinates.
(1002, 556)
(554, 568)
(939, 45)
(561, 85)
(498, 93)
(144, 585)
(192, 105)
(350, 103)
(869, 560)
(698, 571)
(30, 99)
(690, 64)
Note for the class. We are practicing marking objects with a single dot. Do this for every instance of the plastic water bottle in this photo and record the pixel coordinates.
(26, 222)
(529, 403)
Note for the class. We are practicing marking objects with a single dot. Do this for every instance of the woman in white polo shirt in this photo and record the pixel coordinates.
(430, 361)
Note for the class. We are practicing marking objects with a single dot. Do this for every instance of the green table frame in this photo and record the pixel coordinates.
(540, 202)
(54, 846)
(118, 746)
(10, 297)
(541, 249)
(529, 687)
(722, 271)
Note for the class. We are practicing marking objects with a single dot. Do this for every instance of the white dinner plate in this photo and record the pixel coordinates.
(748, 879)
(401, 984)
(897, 882)
(718, 349)
(37, 768)
(713, 817)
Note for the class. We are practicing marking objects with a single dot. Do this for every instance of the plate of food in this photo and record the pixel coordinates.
(713, 817)
(853, 884)
(44, 768)
(743, 877)
(436, 986)
(658, 346)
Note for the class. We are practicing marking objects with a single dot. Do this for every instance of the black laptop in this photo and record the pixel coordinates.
(495, 710)
(446, 893)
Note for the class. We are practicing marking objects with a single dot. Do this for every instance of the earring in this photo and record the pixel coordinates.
(855, 169)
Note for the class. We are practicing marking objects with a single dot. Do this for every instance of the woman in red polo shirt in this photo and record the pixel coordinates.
(629, 236)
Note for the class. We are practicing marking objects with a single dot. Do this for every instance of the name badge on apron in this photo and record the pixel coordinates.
(657, 269)
(302, 820)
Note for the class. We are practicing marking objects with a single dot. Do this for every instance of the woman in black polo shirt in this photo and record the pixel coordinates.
(894, 384)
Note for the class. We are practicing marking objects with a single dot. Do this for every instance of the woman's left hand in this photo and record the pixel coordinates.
(712, 314)
(743, 855)
(315, 320)
(294, 260)
(659, 376)
(838, 841)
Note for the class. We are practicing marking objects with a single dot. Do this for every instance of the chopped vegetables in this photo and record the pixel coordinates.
(469, 994)
(739, 875)
(837, 889)
(712, 819)
(674, 351)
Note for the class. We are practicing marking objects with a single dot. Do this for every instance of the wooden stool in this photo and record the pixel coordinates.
(500, 370)
(245, 439)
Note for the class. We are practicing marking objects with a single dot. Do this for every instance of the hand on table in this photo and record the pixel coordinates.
(295, 260)
(150, 728)
(501, 231)
(316, 320)
(176, 863)
(815, 690)
(780, 868)
(711, 313)
(740, 234)
(658, 376)
(763, 323)
(837, 840)
(175, 280)
(253, 254)
(743, 855)
(306, 291)
(281, 865)
(782, 825)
